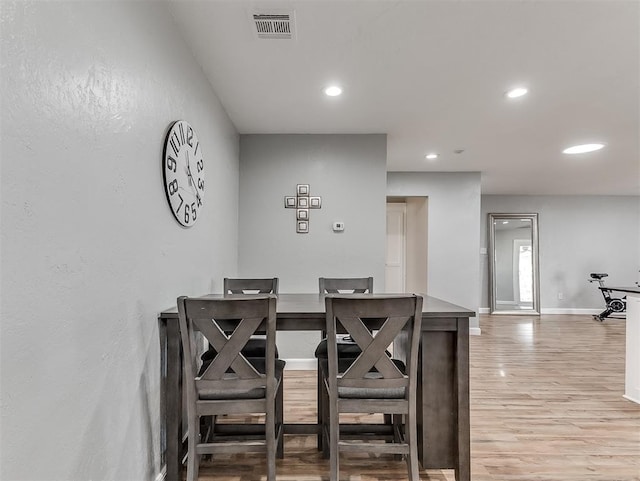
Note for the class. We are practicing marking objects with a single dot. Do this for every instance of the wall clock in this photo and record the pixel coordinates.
(183, 172)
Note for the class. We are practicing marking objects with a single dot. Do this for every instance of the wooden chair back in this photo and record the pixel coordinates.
(373, 383)
(345, 285)
(395, 316)
(213, 318)
(230, 384)
(250, 286)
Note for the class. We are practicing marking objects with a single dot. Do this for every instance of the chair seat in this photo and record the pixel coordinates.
(365, 393)
(372, 393)
(255, 393)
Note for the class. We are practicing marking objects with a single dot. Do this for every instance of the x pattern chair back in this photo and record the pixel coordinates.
(373, 350)
(210, 319)
(373, 382)
(342, 311)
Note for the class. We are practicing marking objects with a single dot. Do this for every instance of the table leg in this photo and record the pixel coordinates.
(437, 416)
(463, 465)
(173, 403)
(443, 397)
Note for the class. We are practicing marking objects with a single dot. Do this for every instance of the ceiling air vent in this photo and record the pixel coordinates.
(274, 25)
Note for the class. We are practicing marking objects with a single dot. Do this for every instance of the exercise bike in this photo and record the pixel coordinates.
(614, 304)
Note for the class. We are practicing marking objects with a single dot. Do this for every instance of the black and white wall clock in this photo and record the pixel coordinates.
(183, 172)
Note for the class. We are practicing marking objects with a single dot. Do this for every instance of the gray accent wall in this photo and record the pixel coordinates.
(453, 231)
(577, 235)
(90, 251)
(349, 173)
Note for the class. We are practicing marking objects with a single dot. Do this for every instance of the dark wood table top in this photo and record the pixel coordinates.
(302, 306)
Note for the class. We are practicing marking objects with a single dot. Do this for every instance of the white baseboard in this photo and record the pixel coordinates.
(564, 310)
(301, 364)
(554, 310)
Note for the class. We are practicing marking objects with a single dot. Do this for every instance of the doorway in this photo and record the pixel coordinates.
(406, 254)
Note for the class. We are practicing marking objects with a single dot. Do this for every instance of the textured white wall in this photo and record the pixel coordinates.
(90, 252)
(349, 173)
(577, 235)
(453, 231)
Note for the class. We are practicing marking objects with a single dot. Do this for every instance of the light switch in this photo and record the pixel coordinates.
(338, 226)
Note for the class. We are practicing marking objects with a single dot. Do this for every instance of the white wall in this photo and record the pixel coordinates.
(577, 235)
(453, 232)
(90, 251)
(349, 173)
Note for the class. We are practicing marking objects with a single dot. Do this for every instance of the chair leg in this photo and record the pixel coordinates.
(326, 417)
(334, 439)
(397, 422)
(270, 433)
(280, 420)
(320, 395)
(411, 430)
(193, 438)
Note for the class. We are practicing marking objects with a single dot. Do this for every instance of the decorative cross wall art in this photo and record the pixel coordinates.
(302, 202)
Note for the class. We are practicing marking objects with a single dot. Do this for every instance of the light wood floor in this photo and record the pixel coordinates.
(546, 405)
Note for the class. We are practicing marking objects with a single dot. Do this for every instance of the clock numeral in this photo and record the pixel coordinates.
(173, 186)
(200, 165)
(196, 149)
(174, 146)
(181, 202)
(190, 136)
(171, 163)
(194, 211)
(200, 184)
(199, 200)
(181, 133)
(186, 214)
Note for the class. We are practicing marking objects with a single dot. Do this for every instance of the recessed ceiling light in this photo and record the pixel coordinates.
(582, 149)
(432, 156)
(333, 91)
(516, 92)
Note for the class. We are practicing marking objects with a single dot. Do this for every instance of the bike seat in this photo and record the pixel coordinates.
(595, 275)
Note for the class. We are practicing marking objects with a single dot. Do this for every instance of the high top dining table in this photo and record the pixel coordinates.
(443, 380)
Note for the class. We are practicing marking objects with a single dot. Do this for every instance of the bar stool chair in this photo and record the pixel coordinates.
(346, 347)
(373, 382)
(230, 384)
(255, 348)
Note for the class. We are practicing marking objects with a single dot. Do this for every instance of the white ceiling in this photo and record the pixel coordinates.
(432, 76)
